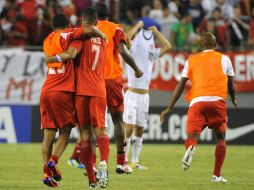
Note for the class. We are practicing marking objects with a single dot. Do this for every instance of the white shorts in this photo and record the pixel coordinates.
(136, 109)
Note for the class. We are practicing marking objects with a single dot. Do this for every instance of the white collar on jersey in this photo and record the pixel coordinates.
(207, 50)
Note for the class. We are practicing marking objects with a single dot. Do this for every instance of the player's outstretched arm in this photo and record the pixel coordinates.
(132, 32)
(231, 90)
(164, 42)
(127, 57)
(70, 53)
(176, 95)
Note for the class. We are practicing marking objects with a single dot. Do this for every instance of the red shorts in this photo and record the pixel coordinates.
(212, 114)
(114, 88)
(90, 111)
(57, 109)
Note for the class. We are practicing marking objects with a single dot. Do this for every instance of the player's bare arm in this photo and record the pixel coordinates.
(164, 42)
(129, 59)
(70, 53)
(93, 31)
(132, 32)
(176, 95)
(231, 90)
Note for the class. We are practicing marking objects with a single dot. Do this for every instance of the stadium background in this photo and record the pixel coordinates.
(25, 23)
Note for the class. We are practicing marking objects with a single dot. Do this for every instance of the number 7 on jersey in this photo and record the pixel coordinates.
(96, 50)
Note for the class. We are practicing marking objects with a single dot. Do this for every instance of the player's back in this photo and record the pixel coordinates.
(114, 34)
(206, 75)
(90, 65)
(60, 76)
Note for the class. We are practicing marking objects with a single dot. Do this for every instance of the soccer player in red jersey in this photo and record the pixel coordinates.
(90, 98)
(57, 96)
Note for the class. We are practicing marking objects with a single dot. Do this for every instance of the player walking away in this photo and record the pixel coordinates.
(56, 101)
(136, 99)
(90, 98)
(113, 79)
(212, 77)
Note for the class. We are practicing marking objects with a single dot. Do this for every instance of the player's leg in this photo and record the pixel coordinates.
(196, 122)
(86, 154)
(73, 160)
(115, 104)
(129, 131)
(49, 131)
(217, 118)
(98, 117)
(220, 154)
(141, 123)
(129, 118)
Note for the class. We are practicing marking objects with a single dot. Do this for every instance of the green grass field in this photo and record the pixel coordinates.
(21, 168)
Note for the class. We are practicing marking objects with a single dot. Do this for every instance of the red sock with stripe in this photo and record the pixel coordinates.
(103, 145)
(86, 157)
(190, 141)
(76, 151)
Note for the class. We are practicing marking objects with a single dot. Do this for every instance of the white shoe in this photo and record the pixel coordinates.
(120, 169)
(218, 179)
(187, 158)
(103, 174)
(137, 166)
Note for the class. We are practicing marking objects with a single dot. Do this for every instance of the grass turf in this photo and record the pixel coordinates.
(21, 168)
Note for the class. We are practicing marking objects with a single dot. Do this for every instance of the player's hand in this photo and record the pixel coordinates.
(153, 28)
(164, 114)
(138, 74)
(140, 24)
(234, 102)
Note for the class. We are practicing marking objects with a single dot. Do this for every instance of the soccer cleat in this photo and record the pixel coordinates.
(55, 171)
(121, 169)
(47, 179)
(187, 158)
(218, 179)
(103, 174)
(137, 166)
(75, 163)
(93, 185)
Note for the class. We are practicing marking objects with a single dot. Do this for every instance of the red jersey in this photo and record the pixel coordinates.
(89, 71)
(60, 79)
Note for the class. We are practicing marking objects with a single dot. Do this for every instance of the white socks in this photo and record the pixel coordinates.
(136, 149)
(127, 149)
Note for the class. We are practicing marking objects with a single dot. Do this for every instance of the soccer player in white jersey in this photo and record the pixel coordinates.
(141, 43)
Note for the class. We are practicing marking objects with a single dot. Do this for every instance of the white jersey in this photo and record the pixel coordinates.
(144, 53)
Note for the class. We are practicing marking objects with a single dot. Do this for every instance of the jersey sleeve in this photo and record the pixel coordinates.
(185, 70)
(77, 34)
(77, 44)
(119, 36)
(227, 66)
(156, 53)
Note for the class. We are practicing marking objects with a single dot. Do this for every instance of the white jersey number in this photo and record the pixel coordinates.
(96, 49)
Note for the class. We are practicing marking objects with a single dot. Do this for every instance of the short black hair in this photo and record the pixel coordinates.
(89, 14)
(60, 20)
(102, 10)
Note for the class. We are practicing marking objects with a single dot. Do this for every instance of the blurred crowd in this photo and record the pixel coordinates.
(28, 22)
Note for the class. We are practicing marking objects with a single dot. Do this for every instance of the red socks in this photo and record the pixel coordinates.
(190, 141)
(54, 158)
(94, 159)
(120, 159)
(76, 151)
(86, 157)
(220, 154)
(103, 145)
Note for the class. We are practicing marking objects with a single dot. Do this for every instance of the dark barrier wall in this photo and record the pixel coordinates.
(22, 124)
